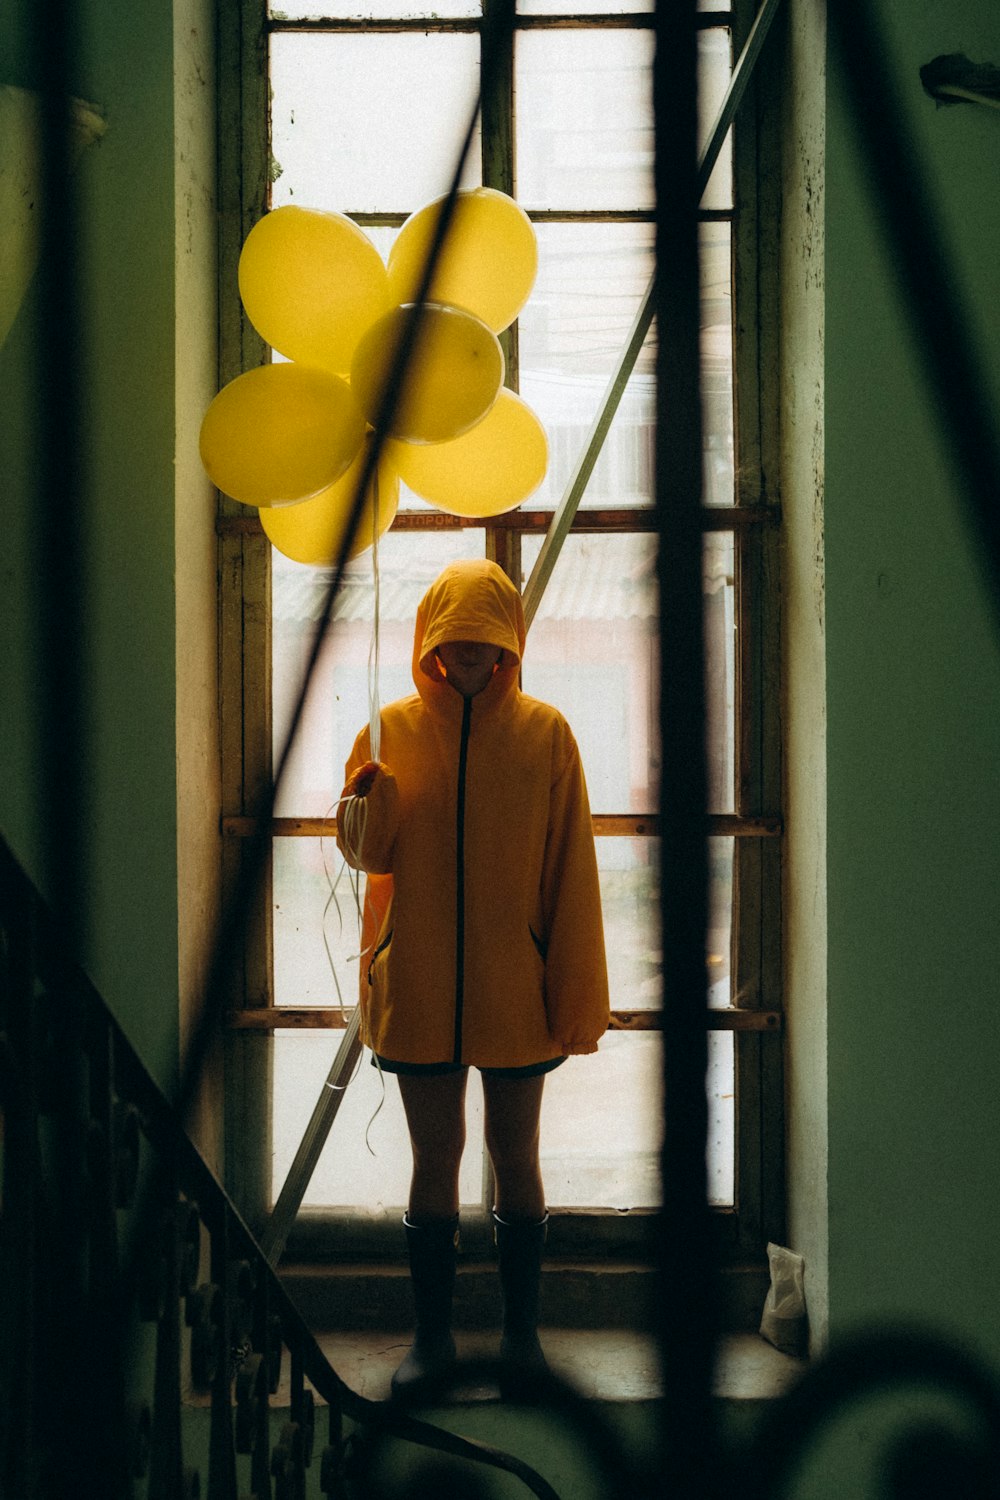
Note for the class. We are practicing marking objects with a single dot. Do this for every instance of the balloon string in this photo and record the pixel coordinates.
(353, 818)
(374, 709)
(353, 813)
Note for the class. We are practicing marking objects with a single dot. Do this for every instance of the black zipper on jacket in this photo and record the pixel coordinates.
(463, 755)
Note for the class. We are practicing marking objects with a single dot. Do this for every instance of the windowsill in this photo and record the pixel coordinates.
(612, 1365)
(576, 1295)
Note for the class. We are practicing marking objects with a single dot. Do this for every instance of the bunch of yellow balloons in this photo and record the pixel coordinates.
(293, 437)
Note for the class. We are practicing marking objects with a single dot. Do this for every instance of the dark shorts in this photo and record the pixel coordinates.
(438, 1070)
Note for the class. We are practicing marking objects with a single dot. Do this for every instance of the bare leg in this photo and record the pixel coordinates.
(435, 1117)
(513, 1114)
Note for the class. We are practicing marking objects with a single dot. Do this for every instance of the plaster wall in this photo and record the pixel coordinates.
(146, 349)
(803, 646)
(913, 704)
(196, 548)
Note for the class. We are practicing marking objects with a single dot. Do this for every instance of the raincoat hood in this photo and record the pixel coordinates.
(472, 600)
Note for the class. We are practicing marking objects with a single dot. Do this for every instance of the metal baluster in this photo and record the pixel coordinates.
(166, 1479)
(21, 1325)
(105, 1323)
(230, 1276)
(70, 1376)
(333, 1461)
(267, 1347)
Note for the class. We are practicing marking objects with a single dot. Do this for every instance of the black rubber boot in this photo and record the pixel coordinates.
(519, 1252)
(433, 1251)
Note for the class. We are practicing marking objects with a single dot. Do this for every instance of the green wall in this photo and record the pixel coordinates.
(913, 706)
(797, 57)
(132, 382)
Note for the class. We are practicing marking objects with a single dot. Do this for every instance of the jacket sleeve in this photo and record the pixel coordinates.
(576, 976)
(368, 819)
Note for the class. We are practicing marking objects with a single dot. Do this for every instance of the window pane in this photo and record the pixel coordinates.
(370, 121)
(366, 1161)
(582, 7)
(720, 922)
(601, 1124)
(630, 901)
(601, 7)
(373, 10)
(316, 925)
(584, 119)
(593, 653)
(714, 68)
(720, 1151)
(338, 702)
(590, 285)
(719, 625)
(591, 282)
(715, 253)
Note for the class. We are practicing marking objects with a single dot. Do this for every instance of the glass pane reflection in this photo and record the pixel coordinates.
(602, 1123)
(591, 282)
(370, 122)
(584, 119)
(593, 653)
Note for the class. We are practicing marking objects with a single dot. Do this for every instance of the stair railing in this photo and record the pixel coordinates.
(143, 1333)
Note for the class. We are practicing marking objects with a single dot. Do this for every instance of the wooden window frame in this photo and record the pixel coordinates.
(245, 667)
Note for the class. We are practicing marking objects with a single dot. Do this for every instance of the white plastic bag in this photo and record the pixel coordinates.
(784, 1322)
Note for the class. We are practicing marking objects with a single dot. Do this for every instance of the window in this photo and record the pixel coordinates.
(365, 114)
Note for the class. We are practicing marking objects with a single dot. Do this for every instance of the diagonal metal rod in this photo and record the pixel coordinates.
(562, 519)
(275, 1233)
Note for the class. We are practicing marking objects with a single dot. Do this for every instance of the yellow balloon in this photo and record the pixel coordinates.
(311, 283)
(280, 433)
(453, 376)
(487, 471)
(487, 263)
(313, 531)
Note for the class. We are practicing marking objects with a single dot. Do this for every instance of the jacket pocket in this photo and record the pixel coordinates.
(376, 955)
(540, 948)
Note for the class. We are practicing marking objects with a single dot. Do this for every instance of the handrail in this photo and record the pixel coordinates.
(136, 1228)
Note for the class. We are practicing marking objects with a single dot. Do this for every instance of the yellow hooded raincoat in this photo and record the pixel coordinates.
(482, 936)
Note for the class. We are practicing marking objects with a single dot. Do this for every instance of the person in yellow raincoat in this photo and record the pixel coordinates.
(483, 937)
